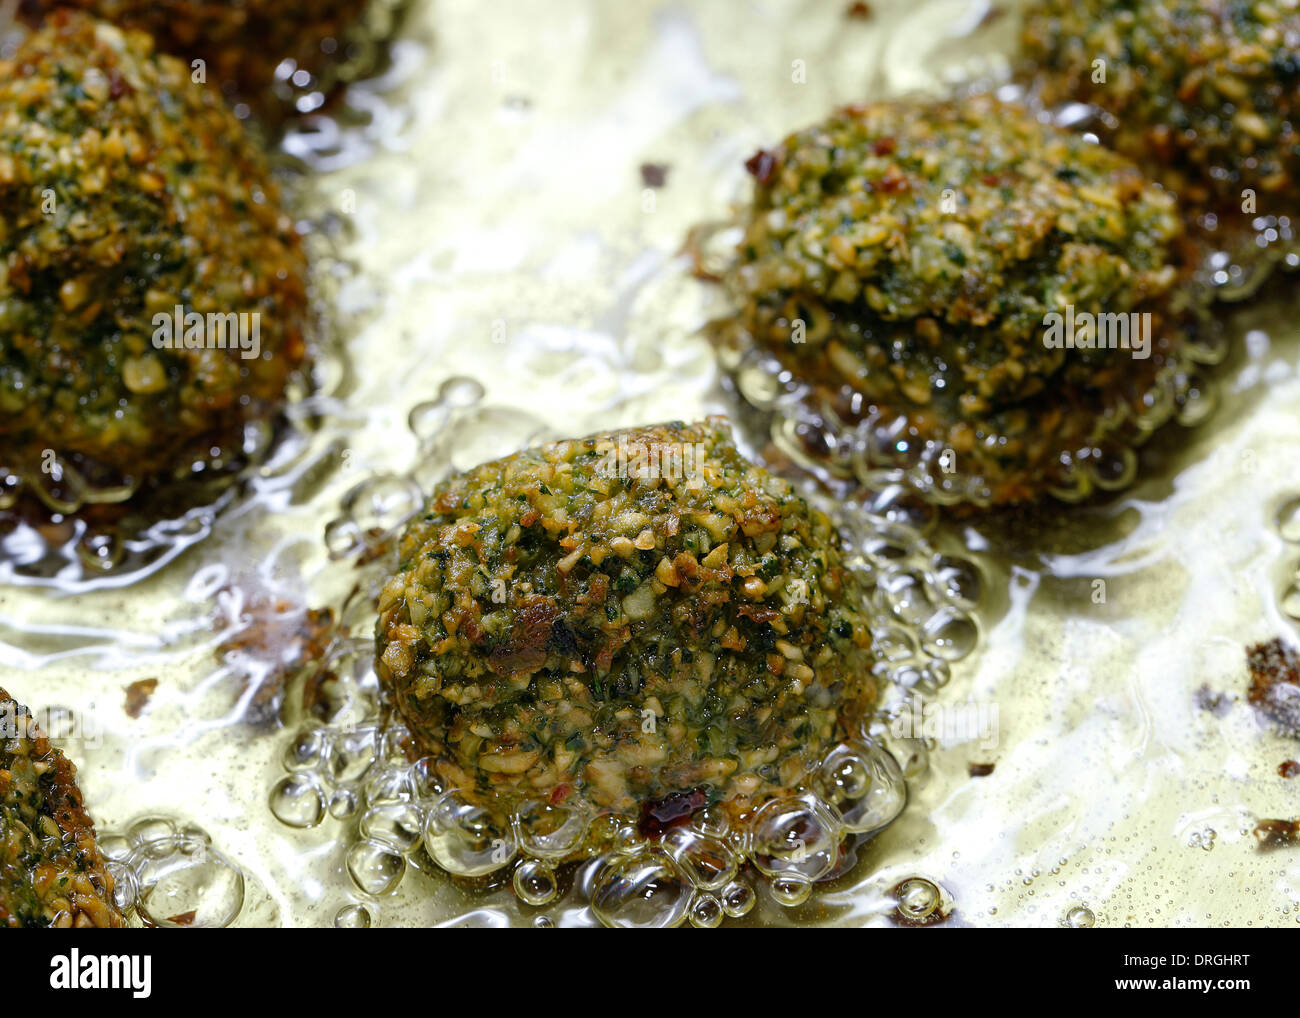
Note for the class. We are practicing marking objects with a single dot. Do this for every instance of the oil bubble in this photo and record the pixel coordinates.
(1290, 603)
(151, 829)
(399, 825)
(1288, 521)
(706, 912)
(298, 800)
(918, 899)
(306, 750)
(956, 581)
(344, 803)
(906, 596)
(642, 891)
(465, 838)
(794, 836)
(550, 831)
(738, 898)
(949, 634)
(864, 782)
(374, 867)
(386, 787)
(353, 917)
(535, 882)
(126, 889)
(190, 885)
(382, 503)
(791, 890)
(706, 862)
(350, 755)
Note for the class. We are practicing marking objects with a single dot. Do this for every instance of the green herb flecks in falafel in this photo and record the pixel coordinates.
(906, 260)
(51, 871)
(126, 191)
(1206, 95)
(611, 620)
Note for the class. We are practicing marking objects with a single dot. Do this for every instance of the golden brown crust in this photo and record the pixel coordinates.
(587, 622)
(52, 873)
(169, 205)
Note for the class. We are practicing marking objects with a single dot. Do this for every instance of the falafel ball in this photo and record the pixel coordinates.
(51, 871)
(902, 258)
(1207, 94)
(617, 619)
(248, 46)
(128, 191)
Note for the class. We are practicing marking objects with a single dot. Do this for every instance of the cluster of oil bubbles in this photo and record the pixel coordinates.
(456, 430)
(1288, 526)
(1237, 269)
(45, 540)
(882, 451)
(921, 601)
(328, 136)
(359, 771)
(167, 873)
(1203, 838)
(701, 872)
(357, 52)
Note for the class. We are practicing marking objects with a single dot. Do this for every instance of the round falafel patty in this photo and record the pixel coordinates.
(901, 260)
(127, 191)
(51, 870)
(1207, 94)
(611, 620)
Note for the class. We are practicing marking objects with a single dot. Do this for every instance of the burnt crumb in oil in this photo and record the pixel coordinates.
(1275, 684)
(1274, 834)
(138, 695)
(979, 770)
(654, 174)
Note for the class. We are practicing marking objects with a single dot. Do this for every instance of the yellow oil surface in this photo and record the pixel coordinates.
(490, 221)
